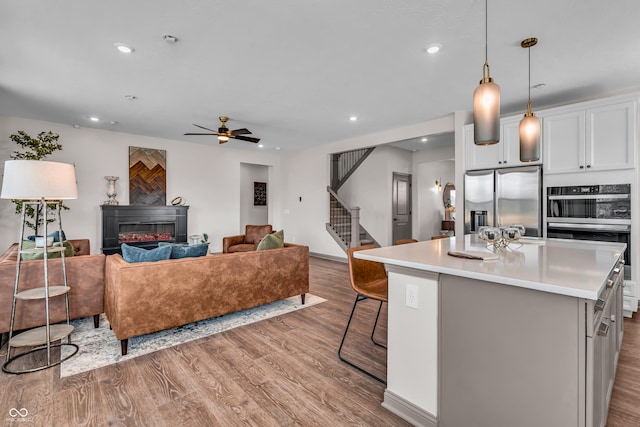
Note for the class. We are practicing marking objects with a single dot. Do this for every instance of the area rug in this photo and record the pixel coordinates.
(99, 347)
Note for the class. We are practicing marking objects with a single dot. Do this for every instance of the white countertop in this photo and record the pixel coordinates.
(566, 267)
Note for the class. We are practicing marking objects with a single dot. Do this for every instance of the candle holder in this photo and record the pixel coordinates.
(502, 237)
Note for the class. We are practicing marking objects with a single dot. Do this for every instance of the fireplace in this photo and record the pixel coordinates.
(142, 226)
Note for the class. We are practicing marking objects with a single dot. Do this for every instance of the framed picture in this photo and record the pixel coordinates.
(259, 194)
(147, 176)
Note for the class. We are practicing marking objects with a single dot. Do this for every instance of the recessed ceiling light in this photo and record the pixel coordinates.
(260, 145)
(94, 119)
(433, 48)
(76, 126)
(353, 118)
(113, 122)
(277, 148)
(124, 48)
(130, 97)
(424, 140)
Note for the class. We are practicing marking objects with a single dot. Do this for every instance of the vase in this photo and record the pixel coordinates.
(111, 190)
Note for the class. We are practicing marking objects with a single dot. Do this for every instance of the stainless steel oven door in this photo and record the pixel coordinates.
(611, 206)
(618, 231)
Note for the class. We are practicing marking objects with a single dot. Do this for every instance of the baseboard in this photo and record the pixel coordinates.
(408, 411)
(328, 257)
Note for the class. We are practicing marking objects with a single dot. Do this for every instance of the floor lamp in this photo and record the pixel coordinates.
(42, 185)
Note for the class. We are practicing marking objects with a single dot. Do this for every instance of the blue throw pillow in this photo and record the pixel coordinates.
(135, 254)
(182, 250)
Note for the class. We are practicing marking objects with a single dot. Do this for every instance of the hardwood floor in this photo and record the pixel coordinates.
(278, 372)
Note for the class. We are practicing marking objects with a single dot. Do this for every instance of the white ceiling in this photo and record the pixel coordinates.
(294, 71)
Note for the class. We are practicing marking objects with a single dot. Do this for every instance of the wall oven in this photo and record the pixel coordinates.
(591, 212)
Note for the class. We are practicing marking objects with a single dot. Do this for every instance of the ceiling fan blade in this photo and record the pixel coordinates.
(243, 131)
(247, 138)
(202, 127)
(210, 134)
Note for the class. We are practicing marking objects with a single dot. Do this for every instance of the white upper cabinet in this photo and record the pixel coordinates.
(504, 154)
(590, 137)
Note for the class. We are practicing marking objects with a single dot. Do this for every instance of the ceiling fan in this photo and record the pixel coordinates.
(224, 134)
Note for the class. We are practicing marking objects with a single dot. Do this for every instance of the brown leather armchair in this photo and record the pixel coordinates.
(248, 241)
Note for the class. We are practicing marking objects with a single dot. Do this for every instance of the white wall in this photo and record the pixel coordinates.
(250, 214)
(429, 165)
(206, 175)
(308, 176)
(431, 206)
(370, 187)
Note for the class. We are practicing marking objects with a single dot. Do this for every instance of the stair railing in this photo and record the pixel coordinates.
(352, 215)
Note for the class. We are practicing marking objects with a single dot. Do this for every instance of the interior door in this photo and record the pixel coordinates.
(401, 224)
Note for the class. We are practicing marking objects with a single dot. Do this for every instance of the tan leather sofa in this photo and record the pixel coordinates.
(248, 241)
(85, 277)
(146, 297)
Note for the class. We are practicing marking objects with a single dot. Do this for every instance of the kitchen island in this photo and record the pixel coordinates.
(529, 339)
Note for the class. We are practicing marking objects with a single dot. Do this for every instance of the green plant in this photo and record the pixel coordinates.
(38, 148)
(205, 237)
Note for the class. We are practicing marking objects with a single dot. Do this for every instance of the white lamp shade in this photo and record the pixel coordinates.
(38, 179)
(529, 138)
(486, 113)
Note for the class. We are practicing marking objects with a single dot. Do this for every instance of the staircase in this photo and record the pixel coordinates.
(342, 218)
(343, 165)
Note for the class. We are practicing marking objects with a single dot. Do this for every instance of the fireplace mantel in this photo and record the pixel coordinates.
(142, 226)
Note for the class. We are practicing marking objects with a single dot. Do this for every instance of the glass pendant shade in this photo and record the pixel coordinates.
(530, 124)
(529, 138)
(486, 113)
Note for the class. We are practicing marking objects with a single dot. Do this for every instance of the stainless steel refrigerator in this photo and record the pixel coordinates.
(502, 197)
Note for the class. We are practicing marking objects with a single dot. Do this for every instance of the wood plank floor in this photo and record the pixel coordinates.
(278, 372)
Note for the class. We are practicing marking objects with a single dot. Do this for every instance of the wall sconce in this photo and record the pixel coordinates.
(438, 186)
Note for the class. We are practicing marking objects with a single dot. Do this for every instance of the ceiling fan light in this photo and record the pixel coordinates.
(529, 138)
(223, 138)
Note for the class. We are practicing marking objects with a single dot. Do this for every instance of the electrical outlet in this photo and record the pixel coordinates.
(412, 296)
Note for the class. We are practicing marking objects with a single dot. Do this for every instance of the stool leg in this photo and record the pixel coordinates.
(358, 299)
(374, 328)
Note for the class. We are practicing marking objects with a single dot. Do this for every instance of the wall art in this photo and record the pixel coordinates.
(260, 194)
(147, 176)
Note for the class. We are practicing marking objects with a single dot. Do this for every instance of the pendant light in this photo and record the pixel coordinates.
(530, 124)
(486, 101)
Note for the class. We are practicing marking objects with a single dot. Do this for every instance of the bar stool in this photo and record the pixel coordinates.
(368, 280)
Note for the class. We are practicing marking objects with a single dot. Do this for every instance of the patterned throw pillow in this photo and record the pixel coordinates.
(135, 254)
(272, 241)
(182, 250)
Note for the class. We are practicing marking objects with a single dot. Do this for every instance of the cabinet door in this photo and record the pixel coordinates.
(610, 137)
(563, 136)
(481, 156)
